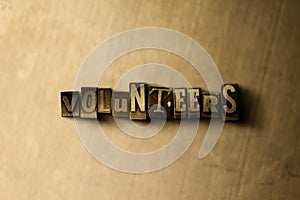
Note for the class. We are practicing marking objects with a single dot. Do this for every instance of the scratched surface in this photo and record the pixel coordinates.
(254, 43)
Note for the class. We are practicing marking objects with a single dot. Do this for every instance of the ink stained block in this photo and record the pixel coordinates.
(89, 102)
(120, 104)
(160, 102)
(230, 102)
(194, 103)
(104, 100)
(180, 103)
(211, 105)
(138, 101)
(70, 104)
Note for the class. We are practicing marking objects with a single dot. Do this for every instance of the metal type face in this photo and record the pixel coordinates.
(104, 100)
(70, 104)
(138, 101)
(120, 104)
(230, 102)
(211, 105)
(89, 102)
(160, 102)
(194, 103)
(180, 103)
(144, 101)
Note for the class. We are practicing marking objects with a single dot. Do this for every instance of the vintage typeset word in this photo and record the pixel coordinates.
(144, 101)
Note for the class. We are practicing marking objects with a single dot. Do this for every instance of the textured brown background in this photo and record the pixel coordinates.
(254, 43)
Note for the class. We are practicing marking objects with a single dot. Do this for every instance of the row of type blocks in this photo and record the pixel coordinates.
(144, 101)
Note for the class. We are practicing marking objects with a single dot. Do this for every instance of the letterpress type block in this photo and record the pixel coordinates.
(211, 105)
(194, 103)
(120, 104)
(104, 99)
(230, 102)
(160, 102)
(70, 104)
(138, 101)
(89, 102)
(180, 103)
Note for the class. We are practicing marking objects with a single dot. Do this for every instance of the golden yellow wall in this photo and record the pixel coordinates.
(254, 43)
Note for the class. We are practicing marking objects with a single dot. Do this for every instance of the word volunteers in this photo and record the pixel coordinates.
(144, 101)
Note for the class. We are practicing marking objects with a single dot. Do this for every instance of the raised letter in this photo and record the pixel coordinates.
(230, 102)
(120, 104)
(104, 98)
(211, 104)
(180, 103)
(160, 102)
(70, 106)
(138, 92)
(194, 102)
(88, 102)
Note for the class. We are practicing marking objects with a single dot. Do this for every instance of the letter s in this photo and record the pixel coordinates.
(228, 98)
